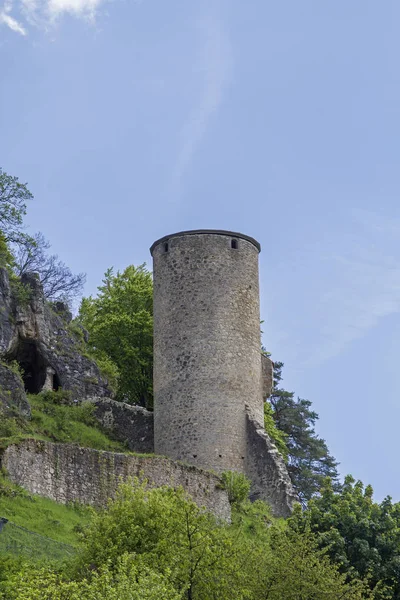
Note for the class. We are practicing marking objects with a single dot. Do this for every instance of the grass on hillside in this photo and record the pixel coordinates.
(55, 419)
(59, 522)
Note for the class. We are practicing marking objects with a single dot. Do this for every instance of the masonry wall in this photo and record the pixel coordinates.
(66, 472)
(132, 425)
(267, 471)
(207, 360)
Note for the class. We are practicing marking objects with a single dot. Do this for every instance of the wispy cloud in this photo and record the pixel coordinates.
(78, 8)
(346, 282)
(365, 285)
(45, 13)
(215, 68)
(7, 19)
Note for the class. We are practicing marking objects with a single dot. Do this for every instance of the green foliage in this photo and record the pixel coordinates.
(19, 541)
(108, 368)
(21, 292)
(277, 436)
(13, 198)
(9, 490)
(361, 536)
(56, 418)
(252, 519)
(59, 397)
(157, 544)
(294, 568)
(10, 427)
(167, 533)
(309, 460)
(6, 257)
(21, 253)
(237, 485)
(120, 323)
(126, 582)
(42, 515)
(15, 367)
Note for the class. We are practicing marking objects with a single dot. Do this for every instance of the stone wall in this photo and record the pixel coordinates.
(66, 472)
(131, 425)
(267, 375)
(267, 471)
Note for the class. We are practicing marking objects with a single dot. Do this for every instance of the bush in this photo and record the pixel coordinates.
(9, 428)
(237, 485)
(277, 436)
(9, 490)
(60, 397)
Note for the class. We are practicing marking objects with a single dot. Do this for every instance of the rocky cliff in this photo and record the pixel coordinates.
(37, 337)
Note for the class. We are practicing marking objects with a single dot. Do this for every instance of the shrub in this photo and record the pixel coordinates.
(237, 485)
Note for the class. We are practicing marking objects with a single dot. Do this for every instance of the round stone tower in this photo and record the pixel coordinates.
(207, 359)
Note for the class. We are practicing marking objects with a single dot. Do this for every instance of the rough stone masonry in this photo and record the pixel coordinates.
(67, 473)
(208, 372)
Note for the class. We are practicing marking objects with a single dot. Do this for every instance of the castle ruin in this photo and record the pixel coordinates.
(210, 382)
(208, 375)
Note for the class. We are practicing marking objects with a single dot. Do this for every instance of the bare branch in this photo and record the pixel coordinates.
(59, 283)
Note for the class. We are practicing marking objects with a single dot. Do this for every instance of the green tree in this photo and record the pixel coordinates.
(361, 536)
(309, 460)
(120, 325)
(157, 543)
(294, 568)
(168, 534)
(13, 198)
(21, 252)
(125, 582)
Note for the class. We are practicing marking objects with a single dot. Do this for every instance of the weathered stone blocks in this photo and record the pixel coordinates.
(267, 471)
(131, 425)
(66, 472)
(207, 360)
(210, 378)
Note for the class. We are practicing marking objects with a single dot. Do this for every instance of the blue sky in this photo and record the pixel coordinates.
(132, 119)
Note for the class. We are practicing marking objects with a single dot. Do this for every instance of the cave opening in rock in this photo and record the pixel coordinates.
(56, 382)
(32, 365)
(36, 373)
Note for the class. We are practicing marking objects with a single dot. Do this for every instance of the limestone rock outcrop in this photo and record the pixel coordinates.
(38, 337)
(12, 393)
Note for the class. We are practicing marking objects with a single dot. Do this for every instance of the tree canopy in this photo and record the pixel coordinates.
(359, 535)
(158, 541)
(309, 461)
(120, 325)
(13, 198)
